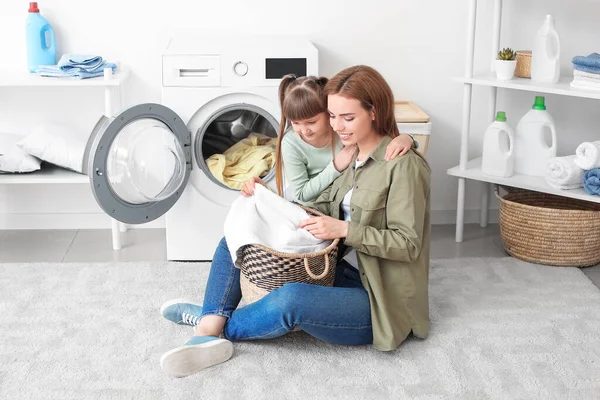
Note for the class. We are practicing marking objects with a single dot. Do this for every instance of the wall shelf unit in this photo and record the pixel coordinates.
(112, 84)
(470, 168)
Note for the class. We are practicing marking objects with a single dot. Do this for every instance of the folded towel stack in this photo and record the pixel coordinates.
(586, 72)
(562, 173)
(77, 66)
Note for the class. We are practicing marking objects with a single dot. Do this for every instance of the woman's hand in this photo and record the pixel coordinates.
(325, 227)
(248, 187)
(344, 157)
(398, 147)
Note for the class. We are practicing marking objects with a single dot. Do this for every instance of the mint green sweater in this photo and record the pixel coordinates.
(308, 170)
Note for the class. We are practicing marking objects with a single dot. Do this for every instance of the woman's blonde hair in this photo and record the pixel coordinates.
(370, 88)
(300, 98)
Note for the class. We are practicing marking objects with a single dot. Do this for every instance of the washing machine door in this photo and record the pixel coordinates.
(139, 162)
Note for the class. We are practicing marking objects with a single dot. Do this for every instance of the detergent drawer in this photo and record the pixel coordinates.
(191, 70)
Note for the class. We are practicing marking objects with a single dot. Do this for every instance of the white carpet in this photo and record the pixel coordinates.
(501, 329)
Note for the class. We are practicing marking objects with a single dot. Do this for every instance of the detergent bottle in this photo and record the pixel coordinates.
(498, 148)
(532, 152)
(545, 54)
(41, 45)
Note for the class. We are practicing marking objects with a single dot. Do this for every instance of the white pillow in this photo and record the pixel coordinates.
(57, 144)
(13, 159)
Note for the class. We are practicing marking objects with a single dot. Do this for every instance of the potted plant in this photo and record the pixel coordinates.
(505, 64)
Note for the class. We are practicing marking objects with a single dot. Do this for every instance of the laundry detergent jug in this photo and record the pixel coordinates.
(41, 45)
(532, 151)
(498, 148)
(545, 55)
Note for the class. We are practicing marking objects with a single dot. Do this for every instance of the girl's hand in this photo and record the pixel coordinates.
(344, 157)
(398, 147)
(248, 187)
(325, 228)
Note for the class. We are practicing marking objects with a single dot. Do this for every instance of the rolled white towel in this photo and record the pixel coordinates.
(587, 155)
(562, 173)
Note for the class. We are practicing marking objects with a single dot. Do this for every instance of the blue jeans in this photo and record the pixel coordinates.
(340, 314)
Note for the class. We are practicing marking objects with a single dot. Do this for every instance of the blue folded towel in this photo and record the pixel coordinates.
(589, 63)
(78, 66)
(87, 62)
(592, 70)
(592, 60)
(591, 181)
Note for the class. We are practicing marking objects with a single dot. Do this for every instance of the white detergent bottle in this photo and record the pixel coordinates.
(498, 148)
(545, 54)
(532, 151)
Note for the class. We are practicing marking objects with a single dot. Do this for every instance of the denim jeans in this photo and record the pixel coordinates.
(340, 314)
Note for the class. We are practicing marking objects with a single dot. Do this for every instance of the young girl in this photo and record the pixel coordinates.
(312, 155)
(385, 218)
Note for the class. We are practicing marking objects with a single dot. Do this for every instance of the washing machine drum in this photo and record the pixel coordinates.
(230, 129)
(139, 162)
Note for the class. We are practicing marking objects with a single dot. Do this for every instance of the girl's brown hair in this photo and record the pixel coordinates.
(370, 88)
(299, 98)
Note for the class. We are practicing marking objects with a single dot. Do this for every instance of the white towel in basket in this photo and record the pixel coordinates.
(588, 155)
(270, 220)
(562, 173)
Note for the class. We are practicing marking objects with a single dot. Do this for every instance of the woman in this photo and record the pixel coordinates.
(383, 296)
(308, 150)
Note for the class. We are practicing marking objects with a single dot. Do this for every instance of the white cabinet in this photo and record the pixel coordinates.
(112, 84)
(470, 168)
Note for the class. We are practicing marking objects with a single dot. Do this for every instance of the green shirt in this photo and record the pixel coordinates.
(389, 229)
(308, 170)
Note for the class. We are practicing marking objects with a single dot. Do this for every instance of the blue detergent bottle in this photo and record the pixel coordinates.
(41, 46)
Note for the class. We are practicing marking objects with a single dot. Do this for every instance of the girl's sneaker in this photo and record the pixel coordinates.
(181, 311)
(196, 354)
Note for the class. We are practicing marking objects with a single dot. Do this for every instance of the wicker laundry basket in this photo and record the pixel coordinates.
(264, 269)
(551, 230)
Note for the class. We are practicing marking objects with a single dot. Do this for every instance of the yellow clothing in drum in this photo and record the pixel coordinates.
(250, 157)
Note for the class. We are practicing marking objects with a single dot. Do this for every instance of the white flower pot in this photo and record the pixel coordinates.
(505, 70)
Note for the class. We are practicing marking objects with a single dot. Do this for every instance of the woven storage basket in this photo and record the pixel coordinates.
(551, 230)
(523, 68)
(264, 269)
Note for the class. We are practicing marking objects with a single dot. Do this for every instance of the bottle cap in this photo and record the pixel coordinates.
(33, 8)
(539, 103)
(501, 116)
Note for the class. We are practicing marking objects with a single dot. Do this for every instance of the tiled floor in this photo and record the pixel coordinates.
(149, 245)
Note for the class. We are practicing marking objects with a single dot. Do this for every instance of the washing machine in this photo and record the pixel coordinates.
(150, 160)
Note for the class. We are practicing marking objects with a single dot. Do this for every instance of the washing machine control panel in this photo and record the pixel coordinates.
(247, 63)
(240, 68)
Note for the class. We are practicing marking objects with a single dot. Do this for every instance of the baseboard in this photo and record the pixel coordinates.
(65, 221)
(448, 217)
(102, 221)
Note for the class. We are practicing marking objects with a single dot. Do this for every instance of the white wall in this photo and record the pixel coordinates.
(418, 45)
